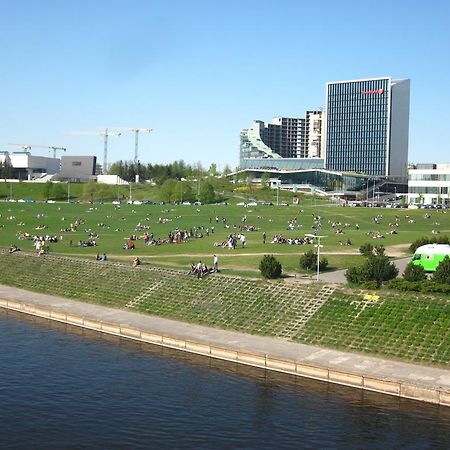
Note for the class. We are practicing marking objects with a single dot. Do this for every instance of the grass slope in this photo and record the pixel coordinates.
(413, 328)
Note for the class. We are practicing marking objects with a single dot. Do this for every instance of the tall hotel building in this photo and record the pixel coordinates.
(367, 126)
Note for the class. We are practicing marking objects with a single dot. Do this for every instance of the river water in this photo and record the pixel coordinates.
(62, 387)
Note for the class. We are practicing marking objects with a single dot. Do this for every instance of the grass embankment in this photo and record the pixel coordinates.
(398, 325)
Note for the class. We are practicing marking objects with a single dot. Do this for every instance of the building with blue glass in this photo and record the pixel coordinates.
(367, 127)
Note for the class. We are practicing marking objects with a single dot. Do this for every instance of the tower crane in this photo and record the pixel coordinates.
(28, 147)
(136, 132)
(105, 134)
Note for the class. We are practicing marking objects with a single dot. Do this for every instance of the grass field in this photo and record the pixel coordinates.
(114, 225)
(399, 325)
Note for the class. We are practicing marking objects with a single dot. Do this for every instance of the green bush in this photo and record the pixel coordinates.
(308, 260)
(366, 249)
(414, 273)
(376, 268)
(442, 274)
(270, 267)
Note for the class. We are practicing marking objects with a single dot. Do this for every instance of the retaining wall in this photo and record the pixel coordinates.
(396, 388)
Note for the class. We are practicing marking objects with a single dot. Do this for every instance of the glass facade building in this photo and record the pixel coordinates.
(367, 126)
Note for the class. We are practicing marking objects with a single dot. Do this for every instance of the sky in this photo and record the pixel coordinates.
(199, 71)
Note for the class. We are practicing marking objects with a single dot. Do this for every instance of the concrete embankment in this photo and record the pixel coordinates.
(423, 383)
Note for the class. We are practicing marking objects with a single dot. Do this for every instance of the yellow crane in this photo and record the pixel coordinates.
(105, 134)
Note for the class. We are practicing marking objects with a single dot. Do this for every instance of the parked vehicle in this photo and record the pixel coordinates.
(429, 256)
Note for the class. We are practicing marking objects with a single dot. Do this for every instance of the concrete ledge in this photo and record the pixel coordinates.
(419, 393)
(346, 379)
(444, 398)
(396, 388)
(174, 343)
(317, 373)
(221, 353)
(388, 387)
(201, 349)
(151, 338)
(281, 366)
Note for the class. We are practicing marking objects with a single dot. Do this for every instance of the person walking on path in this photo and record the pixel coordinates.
(215, 263)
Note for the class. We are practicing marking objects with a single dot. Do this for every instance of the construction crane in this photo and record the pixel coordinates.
(105, 134)
(136, 132)
(28, 147)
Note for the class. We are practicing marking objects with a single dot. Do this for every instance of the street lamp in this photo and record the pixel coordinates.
(318, 246)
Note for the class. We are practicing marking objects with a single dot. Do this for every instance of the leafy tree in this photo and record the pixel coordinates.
(265, 180)
(414, 273)
(168, 190)
(207, 193)
(184, 192)
(442, 274)
(226, 170)
(270, 267)
(59, 191)
(212, 171)
(47, 190)
(89, 190)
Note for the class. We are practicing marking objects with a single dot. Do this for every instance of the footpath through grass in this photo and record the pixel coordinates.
(398, 325)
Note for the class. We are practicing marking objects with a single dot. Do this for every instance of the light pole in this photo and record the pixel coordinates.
(68, 192)
(318, 246)
(278, 191)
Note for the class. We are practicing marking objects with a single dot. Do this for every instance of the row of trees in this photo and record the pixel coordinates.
(127, 170)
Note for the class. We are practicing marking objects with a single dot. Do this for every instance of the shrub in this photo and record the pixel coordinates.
(442, 274)
(356, 274)
(426, 286)
(414, 273)
(308, 260)
(270, 267)
(376, 268)
(366, 249)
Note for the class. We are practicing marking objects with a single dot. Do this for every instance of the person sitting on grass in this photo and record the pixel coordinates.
(136, 262)
(13, 249)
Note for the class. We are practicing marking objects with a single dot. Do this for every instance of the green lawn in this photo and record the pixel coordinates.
(115, 225)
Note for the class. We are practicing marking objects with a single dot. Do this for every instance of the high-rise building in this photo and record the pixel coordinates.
(285, 138)
(367, 126)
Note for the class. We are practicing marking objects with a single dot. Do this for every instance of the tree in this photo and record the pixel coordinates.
(442, 274)
(207, 193)
(168, 190)
(59, 191)
(226, 170)
(270, 268)
(265, 180)
(212, 171)
(47, 190)
(89, 190)
(414, 273)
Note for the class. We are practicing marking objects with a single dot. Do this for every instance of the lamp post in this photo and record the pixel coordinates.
(68, 192)
(318, 246)
(278, 191)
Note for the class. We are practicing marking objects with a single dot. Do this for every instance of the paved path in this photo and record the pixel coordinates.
(424, 376)
(338, 276)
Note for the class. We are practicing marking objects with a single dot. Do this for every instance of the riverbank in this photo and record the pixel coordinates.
(428, 384)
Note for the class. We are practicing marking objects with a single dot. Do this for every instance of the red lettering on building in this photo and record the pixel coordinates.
(375, 91)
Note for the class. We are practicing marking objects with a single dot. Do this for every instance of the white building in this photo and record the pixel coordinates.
(28, 167)
(429, 184)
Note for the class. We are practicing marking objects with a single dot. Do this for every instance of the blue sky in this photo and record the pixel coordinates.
(199, 71)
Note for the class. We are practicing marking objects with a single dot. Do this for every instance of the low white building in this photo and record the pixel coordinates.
(28, 167)
(429, 184)
(111, 179)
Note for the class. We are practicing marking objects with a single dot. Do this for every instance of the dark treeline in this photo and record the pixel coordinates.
(128, 170)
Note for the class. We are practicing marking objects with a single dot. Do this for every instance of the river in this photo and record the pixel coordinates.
(62, 387)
